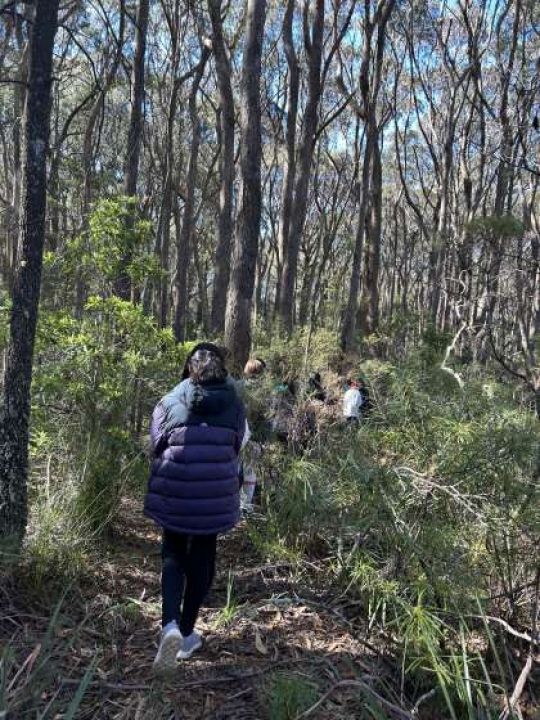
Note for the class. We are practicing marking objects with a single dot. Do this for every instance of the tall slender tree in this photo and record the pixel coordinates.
(314, 46)
(15, 411)
(134, 138)
(369, 216)
(244, 263)
(185, 229)
(226, 120)
(289, 171)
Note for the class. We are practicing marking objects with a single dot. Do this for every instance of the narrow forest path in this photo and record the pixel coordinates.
(276, 625)
(275, 635)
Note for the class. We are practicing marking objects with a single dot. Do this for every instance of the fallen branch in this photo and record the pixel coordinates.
(452, 491)
(422, 699)
(490, 618)
(450, 348)
(522, 679)
(509, 629)
(524, 674)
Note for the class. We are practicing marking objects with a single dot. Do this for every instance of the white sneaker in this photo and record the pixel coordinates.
(170, 643)
(190, 644)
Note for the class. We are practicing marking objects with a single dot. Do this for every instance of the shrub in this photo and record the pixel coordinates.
(95, 382)
(428, 508)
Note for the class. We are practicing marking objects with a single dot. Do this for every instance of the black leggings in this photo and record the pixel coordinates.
(188, 563)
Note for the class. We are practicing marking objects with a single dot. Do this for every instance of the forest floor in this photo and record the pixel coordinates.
(271, 633)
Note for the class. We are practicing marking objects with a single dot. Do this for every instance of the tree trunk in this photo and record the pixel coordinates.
(15, 412)
(504, 170)
(289, 170)
(19, 98)
(308, 279)
(225, 222)
(161, 286)
(348, 330)
(88, 153)
(370, 85)
(185, 237)
(134, 139)
(244, 262)
(373, 247)
(298, 213)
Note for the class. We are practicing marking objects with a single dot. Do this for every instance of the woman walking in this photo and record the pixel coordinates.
(197, 432)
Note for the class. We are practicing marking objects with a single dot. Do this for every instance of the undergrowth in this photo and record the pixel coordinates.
(428, 518)
(26, 681)
(286, 696)
(425, 519)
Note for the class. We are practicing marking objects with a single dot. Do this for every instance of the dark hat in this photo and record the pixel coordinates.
(209, 347)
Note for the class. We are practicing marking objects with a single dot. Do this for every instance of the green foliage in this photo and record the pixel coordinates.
(60, 539)
(5, 310)
(494, 227)
(288, 695)
(299, 354)
(117, 235)
(432, 346)
(95, 382)
(295, 505)
(450, 654)
(429, 505)
(231, 608)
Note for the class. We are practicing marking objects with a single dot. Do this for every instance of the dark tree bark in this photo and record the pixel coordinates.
(244, 263)
(289, 170)
(504, 170)
(137, 84)
(309, 137)
(225, 222)
(348, 329)
(19, 97)
(184, 238)
(134, 140)
(95, 110)
(158, 290)
(15, 412)
(373, 248)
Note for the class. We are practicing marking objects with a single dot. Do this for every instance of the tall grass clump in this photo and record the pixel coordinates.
(35, 682)
(428, 517)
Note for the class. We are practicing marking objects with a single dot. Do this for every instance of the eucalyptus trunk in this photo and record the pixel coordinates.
(134, 139)
(289, 171)
(225, 220)
(246, 246)
(185, 237)
(15, 411)
(307, 146)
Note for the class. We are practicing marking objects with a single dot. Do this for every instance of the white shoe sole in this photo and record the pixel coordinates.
(186, 654)
(165, 660)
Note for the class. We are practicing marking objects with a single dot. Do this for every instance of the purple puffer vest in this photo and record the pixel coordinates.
(194, 487)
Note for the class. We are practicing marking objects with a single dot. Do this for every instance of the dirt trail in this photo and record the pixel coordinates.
(273, 623)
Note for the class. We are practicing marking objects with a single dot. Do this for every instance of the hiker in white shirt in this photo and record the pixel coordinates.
(352, 402)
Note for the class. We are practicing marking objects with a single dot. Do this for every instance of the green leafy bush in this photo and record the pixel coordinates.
(95, 382)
